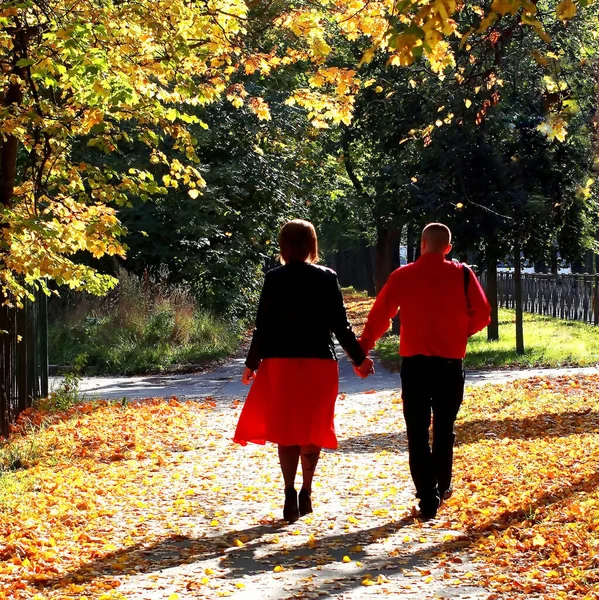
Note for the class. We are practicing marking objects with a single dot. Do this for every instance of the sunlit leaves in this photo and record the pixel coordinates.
(566, 9)
(121, 494)
(555, 127)
(529, 471)
(108, 76)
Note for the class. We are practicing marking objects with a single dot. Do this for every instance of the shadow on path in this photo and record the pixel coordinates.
(179, 550)
(468, 432)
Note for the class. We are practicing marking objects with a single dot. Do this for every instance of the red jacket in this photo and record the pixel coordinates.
(436, 319)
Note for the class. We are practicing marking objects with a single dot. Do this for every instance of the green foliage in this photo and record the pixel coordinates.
(549, 343)
(478, 148)
(66, 394)
(147, 325)
(17, 454)
(218, 243)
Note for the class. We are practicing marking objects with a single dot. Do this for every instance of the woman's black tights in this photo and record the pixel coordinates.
(289, 457)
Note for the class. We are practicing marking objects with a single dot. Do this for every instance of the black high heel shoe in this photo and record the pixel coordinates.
(290, 510)
(305, 502)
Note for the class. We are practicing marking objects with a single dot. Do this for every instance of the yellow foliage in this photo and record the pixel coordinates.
(504, 7)
(555, 126)
(566, 9)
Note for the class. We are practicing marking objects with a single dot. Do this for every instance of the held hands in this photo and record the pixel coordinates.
(248, 376)
(365, 369)
(362, 371)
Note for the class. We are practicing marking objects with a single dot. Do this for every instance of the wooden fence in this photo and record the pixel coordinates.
(23, 358)
(573, 297)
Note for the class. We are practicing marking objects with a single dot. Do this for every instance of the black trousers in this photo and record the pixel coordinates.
(431, 385)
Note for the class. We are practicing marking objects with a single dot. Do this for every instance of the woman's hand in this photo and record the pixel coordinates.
(248, 376)
(365, 369)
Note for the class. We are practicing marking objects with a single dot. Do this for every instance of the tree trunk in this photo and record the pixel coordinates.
(493, 328)
(396, 263)
(368, 269)
(410, 243)
(8, 150)
(577, 267)
(386, 239)
(590, 262)
(554, 262)
(518, 293)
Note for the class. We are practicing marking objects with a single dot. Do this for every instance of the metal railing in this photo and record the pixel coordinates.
(573, 297)
(23, 358)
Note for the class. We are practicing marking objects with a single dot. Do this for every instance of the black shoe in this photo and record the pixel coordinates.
(290, 510)
(427, 515)
(445, 496)
(305, 502)
(447, 493)
(428, 508)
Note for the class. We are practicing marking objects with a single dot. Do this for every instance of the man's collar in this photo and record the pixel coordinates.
(432, 256)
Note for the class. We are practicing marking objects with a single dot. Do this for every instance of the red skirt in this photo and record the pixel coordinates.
(291, 403)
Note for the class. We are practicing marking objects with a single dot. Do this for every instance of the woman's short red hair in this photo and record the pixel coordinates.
(298, 242)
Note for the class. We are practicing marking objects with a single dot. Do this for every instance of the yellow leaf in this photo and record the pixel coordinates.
(367, 56)
(487, 22)
(278, 569)
(504, 7)
(540, 58)
(566, 9)
(538, 540)
(346, 559)
(468, 102)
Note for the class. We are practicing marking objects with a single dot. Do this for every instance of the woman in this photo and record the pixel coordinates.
(292, 400)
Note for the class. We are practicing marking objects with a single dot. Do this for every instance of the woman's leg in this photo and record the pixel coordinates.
(310, 455)
(289, 459)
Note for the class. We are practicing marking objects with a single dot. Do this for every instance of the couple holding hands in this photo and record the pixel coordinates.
(293, 365)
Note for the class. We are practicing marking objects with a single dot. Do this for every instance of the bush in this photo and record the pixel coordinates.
(146, 325)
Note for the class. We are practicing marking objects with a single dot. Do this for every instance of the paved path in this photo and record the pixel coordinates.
(361, 541)
(225, 381)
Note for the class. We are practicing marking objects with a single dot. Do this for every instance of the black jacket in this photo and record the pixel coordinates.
(300, 306)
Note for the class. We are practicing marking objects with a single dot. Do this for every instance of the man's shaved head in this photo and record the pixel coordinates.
(437, 237)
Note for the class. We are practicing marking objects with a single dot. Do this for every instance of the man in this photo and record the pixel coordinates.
(441, 304)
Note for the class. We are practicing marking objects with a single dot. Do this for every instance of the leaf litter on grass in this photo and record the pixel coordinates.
(151, 500)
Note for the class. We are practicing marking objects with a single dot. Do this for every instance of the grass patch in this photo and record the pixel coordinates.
(548, 342)
(13, 486)
(145, 326)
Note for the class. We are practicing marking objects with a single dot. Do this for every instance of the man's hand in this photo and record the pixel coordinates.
(365, 369)
(248, 376)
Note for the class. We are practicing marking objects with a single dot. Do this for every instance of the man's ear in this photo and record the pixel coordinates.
(448, 249)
